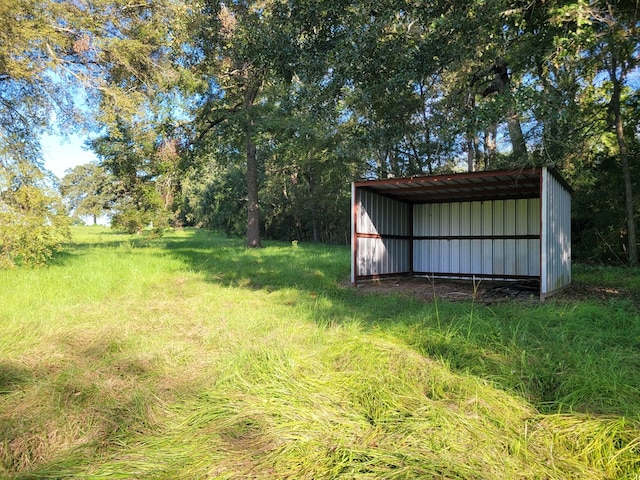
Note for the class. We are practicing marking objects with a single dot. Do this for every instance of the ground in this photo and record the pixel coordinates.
(485, 291)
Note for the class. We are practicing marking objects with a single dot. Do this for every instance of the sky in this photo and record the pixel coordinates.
(61, 154)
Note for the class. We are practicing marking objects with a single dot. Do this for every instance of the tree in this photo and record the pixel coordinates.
(239, 51)
(130, 154)
(302, 97)
(606, 33)
(87, 190)
(619, 49)
(311, 161)
(112, 53)
(33, 221)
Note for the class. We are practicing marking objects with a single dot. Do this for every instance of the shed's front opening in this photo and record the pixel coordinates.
(501, 225)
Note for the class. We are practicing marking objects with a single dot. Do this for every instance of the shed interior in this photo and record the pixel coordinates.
(506, 225)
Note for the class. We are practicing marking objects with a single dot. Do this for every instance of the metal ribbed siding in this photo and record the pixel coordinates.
(478, 256)
(555, 254)
(503, 224)
(384, 220)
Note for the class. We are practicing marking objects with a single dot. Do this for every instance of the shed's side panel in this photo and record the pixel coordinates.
(382, 256)
(380, 215)
(478, 238)
(381, 235)
(556, 251)
(354, 239)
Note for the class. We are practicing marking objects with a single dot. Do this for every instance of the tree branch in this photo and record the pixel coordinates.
(222, 114)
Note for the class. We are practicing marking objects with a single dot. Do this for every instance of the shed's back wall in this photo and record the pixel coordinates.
(439, 246)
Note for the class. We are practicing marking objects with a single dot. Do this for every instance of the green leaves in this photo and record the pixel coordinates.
(33, 221)
(380, 88)
(87, 189)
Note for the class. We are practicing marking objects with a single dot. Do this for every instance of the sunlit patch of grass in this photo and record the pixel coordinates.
(189, 356)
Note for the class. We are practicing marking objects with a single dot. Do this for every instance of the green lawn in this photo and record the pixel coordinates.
(191, 357)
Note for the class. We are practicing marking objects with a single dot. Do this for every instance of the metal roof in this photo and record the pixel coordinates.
(461, 187)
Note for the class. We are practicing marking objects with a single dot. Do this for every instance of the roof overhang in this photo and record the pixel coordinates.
(462, 187)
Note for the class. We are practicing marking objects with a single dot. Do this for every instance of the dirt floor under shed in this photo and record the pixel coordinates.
(485, 291)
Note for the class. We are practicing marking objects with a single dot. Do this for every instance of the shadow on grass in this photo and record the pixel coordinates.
(570, 356)
(579, 356)
(561, 356)
(100, 395)
(12, 377)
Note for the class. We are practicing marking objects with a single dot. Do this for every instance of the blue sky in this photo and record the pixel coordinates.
(61, 154)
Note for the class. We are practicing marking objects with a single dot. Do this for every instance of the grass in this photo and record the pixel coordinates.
(189, 357)
(616, 277)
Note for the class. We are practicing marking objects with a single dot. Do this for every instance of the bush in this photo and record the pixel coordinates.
(33, 221)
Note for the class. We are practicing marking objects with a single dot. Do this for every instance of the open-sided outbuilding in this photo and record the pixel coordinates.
(500, 225)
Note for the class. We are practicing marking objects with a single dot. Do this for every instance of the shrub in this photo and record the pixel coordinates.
(33, 221)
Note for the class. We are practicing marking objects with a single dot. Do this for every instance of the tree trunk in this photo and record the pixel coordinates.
(314, 210)
(381, 161)
(253, 208)
(502, 85)
(393, 163)
(471, 153)
(516, 136)
(632, 247)
(490, 146)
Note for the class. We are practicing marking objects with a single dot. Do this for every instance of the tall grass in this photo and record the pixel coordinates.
(189, 356)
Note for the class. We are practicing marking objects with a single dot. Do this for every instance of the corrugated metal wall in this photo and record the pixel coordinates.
(384, 245)
(440, 246)
(523, 237)
(556, 235)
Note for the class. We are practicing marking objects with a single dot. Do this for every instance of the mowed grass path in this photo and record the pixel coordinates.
(191, 357)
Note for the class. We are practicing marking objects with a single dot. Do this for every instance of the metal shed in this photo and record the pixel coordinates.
(500, 225)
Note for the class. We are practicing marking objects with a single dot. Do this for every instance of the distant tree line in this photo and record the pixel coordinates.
(253, 117)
